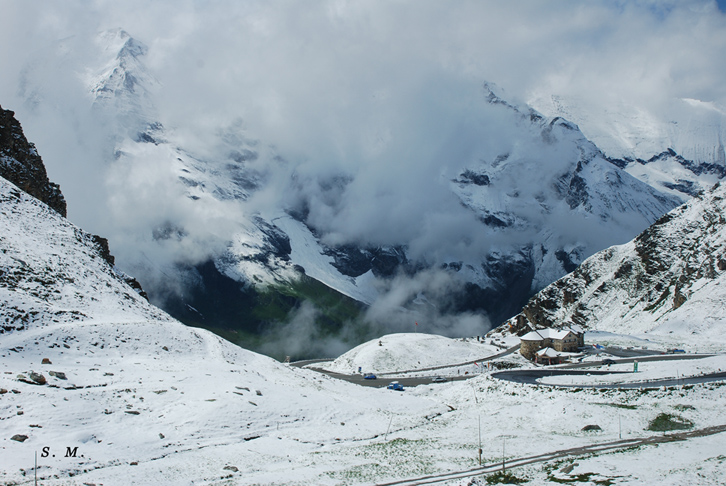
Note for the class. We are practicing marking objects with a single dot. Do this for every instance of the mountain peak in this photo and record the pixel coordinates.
(124, 82)
(119, 41)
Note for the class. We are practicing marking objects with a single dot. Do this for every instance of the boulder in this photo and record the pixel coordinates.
(33, 378)
(58, 374)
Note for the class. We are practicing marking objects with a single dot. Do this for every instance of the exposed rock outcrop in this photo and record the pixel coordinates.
(670, 274)
(21, 164)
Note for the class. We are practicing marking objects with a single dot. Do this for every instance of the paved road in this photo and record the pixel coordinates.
(641, 359)
(531, 377)
(576, 451)
(383, 379)
(526, 376)
(383, 382)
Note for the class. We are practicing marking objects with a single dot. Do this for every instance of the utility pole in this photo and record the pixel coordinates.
(476, 400)
(36, 468)
(480, 439)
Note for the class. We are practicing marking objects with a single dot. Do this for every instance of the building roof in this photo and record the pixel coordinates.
(542, 334)
(549, 352)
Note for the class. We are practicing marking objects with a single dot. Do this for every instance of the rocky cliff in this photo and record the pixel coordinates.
(670, 278)
(21, 164)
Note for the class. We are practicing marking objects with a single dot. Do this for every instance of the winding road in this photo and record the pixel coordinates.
(406, 382)
(530, 376)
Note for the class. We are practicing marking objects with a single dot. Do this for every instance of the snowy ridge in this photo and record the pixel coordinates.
(51, 271)
(669, 280)
(123, 84)
(555, 174)
(680, 155)
(695, 129)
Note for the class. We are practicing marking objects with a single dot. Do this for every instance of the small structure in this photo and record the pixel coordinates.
(548, 356)
(565, 340)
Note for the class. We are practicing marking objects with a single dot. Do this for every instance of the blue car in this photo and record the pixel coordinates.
(395, 386)
(369, 376)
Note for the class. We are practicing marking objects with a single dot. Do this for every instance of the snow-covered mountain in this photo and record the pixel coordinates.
(668, 280)
(681, 152)
(51, 271)
(244, 236)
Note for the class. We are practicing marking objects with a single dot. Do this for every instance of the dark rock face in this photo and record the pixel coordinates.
(103, 249)
(681, 185)
(471, 177)
(21, 164)
(353, 261)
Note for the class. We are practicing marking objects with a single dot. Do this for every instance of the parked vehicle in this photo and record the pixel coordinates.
(370, 376)
(395, 386)
(608, 362)
(439, 379)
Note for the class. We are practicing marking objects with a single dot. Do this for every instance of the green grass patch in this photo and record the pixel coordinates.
(253, 315)
(504, 477)
(666, 422)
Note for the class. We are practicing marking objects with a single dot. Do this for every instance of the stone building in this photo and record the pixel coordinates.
(567, 340)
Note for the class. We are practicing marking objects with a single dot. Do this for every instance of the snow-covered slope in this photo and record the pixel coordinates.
(54, 272)
(682, 151)
(409, 351)
(670, 280)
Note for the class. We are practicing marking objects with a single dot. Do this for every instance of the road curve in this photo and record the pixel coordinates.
(531, 377)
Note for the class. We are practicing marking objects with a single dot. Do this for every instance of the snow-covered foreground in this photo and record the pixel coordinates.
(163, 401)
(158, 402)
